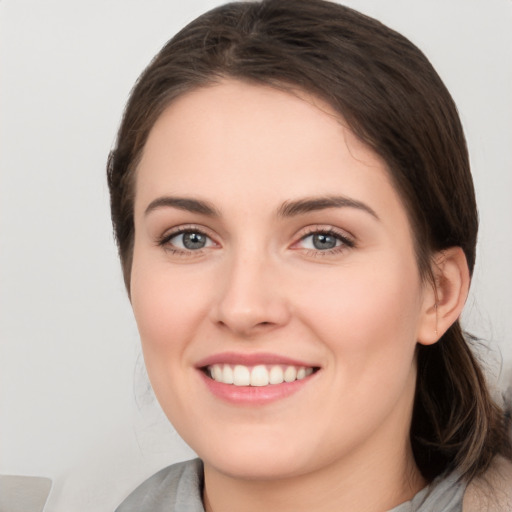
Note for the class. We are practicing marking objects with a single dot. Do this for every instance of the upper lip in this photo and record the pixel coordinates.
(254, 359)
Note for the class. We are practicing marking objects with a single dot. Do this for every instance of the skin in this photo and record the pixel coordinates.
(259, 285)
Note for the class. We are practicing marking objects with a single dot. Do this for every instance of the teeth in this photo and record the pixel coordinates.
(259, 375)
(276, 375)
(290, 374)
(241, 376)
(216, 372)
(227, 374)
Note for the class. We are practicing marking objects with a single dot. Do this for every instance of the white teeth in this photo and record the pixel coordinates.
(259, 375)
(216, 371)
(290, 374)
(276, 375)
(241, 376)
(227, 374)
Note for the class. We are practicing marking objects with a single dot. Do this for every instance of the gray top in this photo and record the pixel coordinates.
(178, 488)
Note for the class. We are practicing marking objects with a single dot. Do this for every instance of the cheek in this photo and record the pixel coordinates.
(368, 314)
(169, 309)
(368, 320)
(167, 306)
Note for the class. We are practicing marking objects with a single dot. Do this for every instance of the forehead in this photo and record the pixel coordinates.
(245, 142)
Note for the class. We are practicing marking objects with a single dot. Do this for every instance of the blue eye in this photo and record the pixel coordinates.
(189, 240)
(324, 241)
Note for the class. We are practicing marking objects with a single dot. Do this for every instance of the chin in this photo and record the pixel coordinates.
(258, 466)
(258, 459)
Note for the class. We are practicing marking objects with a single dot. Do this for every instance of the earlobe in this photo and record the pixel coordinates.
(445, 297)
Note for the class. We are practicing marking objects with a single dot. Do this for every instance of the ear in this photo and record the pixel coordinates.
(444, 298)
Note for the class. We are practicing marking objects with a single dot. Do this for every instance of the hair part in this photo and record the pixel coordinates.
(388, 93)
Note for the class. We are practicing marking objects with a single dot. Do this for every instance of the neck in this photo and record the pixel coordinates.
(378, 484)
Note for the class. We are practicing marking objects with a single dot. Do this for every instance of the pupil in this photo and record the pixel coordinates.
(322, 241)
(194, 240)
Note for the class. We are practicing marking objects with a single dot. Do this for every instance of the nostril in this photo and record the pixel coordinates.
(249, 314)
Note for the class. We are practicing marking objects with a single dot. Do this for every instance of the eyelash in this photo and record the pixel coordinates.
(346, 241)
(167, 237)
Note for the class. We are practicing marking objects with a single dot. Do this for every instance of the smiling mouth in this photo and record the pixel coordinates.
(257, 376)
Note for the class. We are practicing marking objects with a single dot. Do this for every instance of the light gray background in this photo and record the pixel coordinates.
(73, 405)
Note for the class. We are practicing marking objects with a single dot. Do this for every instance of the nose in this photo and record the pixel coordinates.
(251, 298)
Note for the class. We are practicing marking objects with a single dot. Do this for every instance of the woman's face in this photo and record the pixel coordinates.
(272, 250)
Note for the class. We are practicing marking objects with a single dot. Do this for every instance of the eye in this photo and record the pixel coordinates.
(321, 241)
(187, 240)
(326, 241)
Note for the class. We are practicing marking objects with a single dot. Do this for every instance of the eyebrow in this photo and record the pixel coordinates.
(306, 205)
(288, 209)
(183, 203)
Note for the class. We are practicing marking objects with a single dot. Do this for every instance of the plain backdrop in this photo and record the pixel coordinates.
(74, 401)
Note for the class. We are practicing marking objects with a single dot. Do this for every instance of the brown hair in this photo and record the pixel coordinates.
(392, 98)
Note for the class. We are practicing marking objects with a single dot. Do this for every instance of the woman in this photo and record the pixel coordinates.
(296, 222)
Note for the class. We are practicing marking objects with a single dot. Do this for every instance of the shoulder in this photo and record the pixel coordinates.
(172, 489)
(491, 492)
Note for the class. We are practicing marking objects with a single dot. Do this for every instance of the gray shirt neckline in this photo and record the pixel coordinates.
(178, 488)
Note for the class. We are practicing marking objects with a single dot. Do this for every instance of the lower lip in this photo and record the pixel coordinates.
(254, 395)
